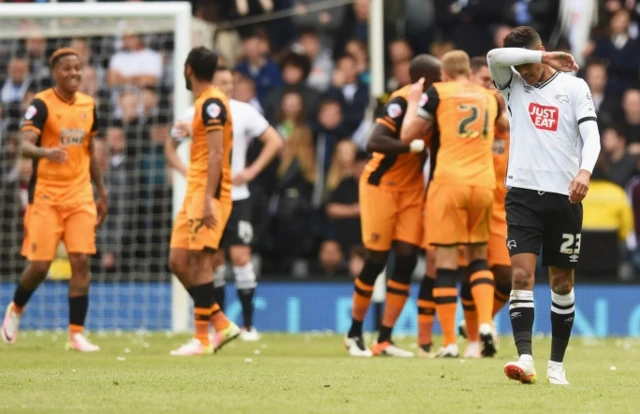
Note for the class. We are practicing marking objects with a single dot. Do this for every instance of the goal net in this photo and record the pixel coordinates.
(133, 55)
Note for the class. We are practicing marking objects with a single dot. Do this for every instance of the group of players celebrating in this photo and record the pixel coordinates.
(473, 229)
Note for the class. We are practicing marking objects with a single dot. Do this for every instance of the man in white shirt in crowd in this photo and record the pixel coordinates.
(555, 144)
(135, 65)
(248, 124)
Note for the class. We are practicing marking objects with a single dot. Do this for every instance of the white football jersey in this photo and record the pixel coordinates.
(248, 124)
(546, 147)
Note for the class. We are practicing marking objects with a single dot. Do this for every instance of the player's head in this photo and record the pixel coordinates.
(425, 66)
(223, 79)
(200, 66)
(455, 64)
(67, 69)
(480, 73)
(526, 37)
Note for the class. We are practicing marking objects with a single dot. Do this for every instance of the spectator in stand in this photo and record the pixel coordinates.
(631, 120)
(323, 23)
(36, 54)
(291, 114)
(257, 65)
(622, 54)
(355, 25)
(291, 206)
(321, 63)
(622, 166)
(245, 91)
(343, 209)
(352, 94)
(399, 50)
(295, 70)
(608, 221)
(18, 81)
(331, 260)
(135, 65)
(399, 75)
(605, 104)
(135, 130)
(358, 49)
(85, 53)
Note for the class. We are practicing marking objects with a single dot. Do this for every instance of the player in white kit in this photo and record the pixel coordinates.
(554, 146)
(248, 124)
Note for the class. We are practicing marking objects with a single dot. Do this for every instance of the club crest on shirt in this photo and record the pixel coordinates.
(562, 98)
(30, 113)
(394, 110)
(528, 88)
(213, 110)
(423, 99)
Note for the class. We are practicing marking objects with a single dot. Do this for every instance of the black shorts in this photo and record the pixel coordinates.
(537, 219)
(239, 230)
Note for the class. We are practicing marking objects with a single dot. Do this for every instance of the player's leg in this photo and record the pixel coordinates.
(561, 252)
(79, 239)
(468, 327)
(246, 284)
(524, 240)
(446, 229)
(498, 258)
(377, 215)
(219, 282)
(43, 230)
(426, 306)
(502, 278)
(408, 235)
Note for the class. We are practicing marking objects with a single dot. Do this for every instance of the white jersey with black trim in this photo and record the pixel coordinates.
(546, 146)
(248, 124)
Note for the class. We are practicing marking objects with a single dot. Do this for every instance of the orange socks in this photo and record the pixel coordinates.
(470, 313)
(481, 282)
(361, 300)
(397, 295)
(445, 296)
(218, 318)
(426, 311)
(201, 324)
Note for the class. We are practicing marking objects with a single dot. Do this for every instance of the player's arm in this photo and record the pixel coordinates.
(421, 112)
(214, 117)
(179, 132)
(382, 139)
(501, 60)
(339, 211)
(32, 125)
(259, 127)
(588, 126)
(502, 120)
(96, 174)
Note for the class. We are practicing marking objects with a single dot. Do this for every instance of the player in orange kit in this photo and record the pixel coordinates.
(199, 225)
(460, 195)
(391, 198)
(498, 254)
(58, 133)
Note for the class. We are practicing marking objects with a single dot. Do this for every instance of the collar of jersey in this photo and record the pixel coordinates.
(541, 85)
(71, 102)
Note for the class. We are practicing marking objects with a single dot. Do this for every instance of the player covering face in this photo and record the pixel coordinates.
(58, 133)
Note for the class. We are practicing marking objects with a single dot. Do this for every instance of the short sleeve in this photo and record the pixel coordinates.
(394, 112)
(583, 104)
(256, 124)
(94, 126)
(35, 116)
(429, 103)
(214, 114)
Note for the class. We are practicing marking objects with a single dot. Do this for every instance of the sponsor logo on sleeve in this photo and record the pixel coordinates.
(30, 113)
(394, 110)
(213, 110)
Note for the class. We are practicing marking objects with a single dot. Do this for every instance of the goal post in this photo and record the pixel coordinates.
(117, 302)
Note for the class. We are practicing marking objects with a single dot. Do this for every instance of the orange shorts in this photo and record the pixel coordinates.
(458, 214)
(462, 254)
(188, 230)
(498, 254)
(45, 225)
(390, 215)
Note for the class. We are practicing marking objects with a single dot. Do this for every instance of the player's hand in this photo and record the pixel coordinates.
(101, 208)
(560, 61)
(579, 186)
(57, 155)
(208, 217)
(180, 130)
(416, 91)
(243, 177)
(108, 260)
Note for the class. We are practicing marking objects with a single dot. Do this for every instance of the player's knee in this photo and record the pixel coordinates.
(245, 276)
(405, 249)
(370, 272)
(38, 270)
(522, 278)
(379, 257)
(477, 252)
(240, 255)
(79, 266)
(561, 281)
(404, 266)
(178, 263)
(430, 266)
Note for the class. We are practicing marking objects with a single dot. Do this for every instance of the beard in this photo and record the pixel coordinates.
(188, 82)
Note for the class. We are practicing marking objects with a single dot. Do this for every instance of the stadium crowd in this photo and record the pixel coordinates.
(309, 75)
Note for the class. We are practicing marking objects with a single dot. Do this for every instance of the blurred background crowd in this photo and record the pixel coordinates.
(308, 72)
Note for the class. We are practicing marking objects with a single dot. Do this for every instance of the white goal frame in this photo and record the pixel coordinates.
(182, 26)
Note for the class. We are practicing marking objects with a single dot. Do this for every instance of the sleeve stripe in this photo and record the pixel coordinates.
(214, 128)
(424, 114)
(386, 123)
(587, 118)
(508, 85)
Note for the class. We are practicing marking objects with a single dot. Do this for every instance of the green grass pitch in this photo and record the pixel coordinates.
(133, 373)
